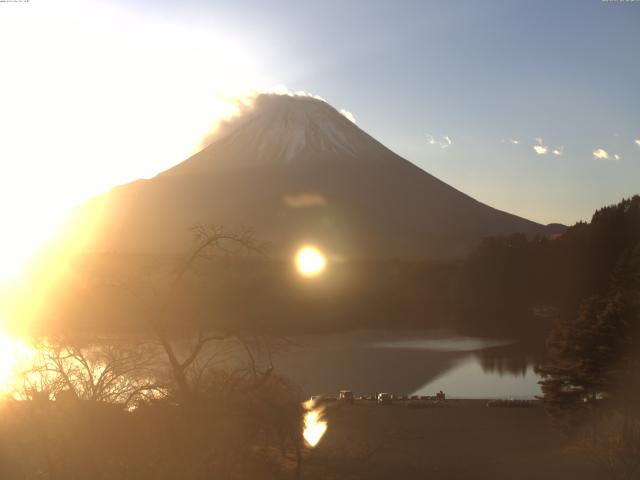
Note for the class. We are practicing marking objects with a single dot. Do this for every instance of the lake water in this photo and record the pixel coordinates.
(422, 364)
(366, 362)
(470, 380)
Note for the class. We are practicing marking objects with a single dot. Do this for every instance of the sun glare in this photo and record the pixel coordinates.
(124, 98)
(314, 426)
(15, 355)
(310, 261)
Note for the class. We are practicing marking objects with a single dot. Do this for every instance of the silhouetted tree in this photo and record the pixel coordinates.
(210, 240)
(108, 371)
(590, 377)
(508, 280)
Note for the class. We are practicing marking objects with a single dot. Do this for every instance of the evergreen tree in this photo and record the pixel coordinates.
(593, 358)
(591, 377)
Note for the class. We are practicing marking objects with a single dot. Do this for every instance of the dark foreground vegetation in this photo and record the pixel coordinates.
(115, 410)
(239, 432)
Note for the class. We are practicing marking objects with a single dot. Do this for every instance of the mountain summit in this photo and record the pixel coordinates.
(297, 171)
(279, 129)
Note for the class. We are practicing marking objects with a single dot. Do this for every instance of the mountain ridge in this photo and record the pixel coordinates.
(352, 196)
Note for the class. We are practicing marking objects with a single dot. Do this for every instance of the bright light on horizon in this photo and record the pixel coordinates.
(94, 96)
(15, 356)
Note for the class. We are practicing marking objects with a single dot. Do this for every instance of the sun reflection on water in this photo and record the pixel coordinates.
(314, 424)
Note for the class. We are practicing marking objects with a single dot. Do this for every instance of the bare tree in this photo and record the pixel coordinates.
(210, 241)
(107, 371)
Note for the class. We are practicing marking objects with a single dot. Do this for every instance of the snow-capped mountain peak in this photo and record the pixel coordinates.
(280, 130)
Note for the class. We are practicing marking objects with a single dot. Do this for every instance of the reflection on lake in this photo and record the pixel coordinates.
(365, 362)
(444, 344)
(415, 363)
(468, 379)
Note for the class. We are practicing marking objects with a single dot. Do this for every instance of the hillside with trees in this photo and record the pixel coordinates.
(515, 284)
(583, 288)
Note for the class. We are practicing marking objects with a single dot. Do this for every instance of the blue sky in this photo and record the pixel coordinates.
(482, 73)
(451, 86)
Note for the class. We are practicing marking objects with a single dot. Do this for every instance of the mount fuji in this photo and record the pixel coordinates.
(297, 171)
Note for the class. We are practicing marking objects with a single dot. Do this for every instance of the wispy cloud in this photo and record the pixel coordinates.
(442, 142)
(349, 115)
(602, 154)
(540, 148)
(637, 141)
(515, 141)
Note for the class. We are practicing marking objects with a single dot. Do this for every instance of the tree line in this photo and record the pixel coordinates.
(582, 291)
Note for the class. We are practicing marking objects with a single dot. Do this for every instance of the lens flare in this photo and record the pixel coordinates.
(314, 426)
(310, 261)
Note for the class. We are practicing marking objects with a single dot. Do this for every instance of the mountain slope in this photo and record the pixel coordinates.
(297, 171)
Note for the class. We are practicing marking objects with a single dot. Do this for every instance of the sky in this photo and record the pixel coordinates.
(529, 106)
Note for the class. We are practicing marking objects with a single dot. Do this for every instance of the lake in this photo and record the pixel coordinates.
(366, 362)
(406, 364)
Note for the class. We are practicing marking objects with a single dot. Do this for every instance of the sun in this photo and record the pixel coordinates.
(94, 124)
(310, 261)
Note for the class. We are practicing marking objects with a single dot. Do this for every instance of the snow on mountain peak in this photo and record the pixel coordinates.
(277, 129)
(294, 124)
(281, 130)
